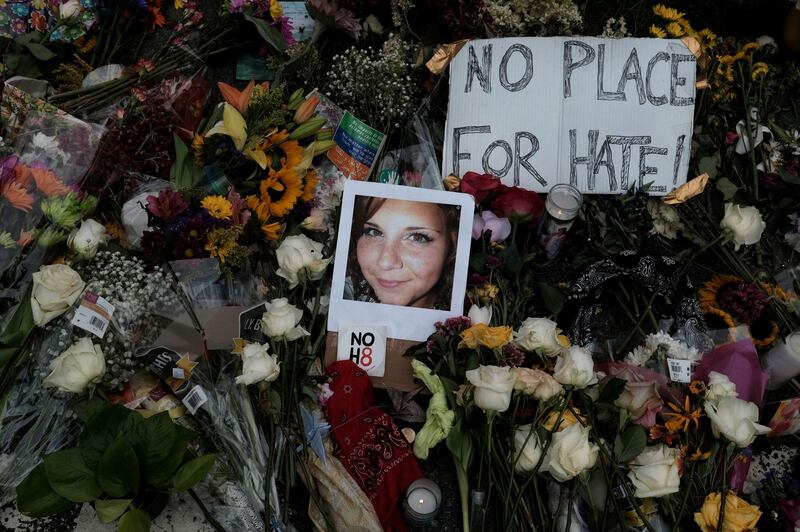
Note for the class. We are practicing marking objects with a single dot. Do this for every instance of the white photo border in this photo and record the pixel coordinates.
(402, 323)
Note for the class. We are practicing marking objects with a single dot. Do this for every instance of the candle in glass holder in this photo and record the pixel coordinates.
(562, 205)
(782, 362)
(423, 497)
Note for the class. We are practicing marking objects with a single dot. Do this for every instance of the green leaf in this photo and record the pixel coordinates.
(100, 430)
(153, 440)
(270, 34)
(110, 509)
(708, 165)
(553, 297)
(134, 521)
(789, 177)
(478, 263)
(161, 475)
(612, 390)
(184, 173)
(40, 51)
(36, 498)
(630, 443)
(512, 261)
(727, 188)
(118, 472)
(70, 477)
(193, 471)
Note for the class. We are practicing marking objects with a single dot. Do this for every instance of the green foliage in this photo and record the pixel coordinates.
(120, 456)
(184, 172)
(630, 443)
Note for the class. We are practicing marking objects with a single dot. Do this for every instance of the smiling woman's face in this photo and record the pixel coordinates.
(402, 251)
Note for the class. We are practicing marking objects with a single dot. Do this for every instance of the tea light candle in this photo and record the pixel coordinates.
(422, 502)
(782, 362)
(562, 205)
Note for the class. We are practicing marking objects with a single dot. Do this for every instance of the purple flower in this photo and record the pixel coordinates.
(285, 25)
(499, 228)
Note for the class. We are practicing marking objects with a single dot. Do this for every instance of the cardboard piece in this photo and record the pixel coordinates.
(601, 114)
(220, 324)
(398, 367)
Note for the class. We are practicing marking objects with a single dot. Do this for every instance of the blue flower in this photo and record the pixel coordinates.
(20, 10)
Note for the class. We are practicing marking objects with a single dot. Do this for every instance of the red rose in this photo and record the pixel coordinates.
(523, 206)
(479, 185)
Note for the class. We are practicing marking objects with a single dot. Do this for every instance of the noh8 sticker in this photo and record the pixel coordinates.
(365, 345)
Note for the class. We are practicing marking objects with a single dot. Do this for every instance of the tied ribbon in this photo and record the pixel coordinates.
(687, 191)
(314, 429)
(443, 55)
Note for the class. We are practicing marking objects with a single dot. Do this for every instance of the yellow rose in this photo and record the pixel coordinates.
(739, 515)
(482, 334)
(486, 293)
(567, 419)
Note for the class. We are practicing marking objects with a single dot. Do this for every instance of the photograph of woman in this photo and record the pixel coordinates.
(402, 252)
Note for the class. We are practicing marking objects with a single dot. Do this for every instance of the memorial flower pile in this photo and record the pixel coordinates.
(176, 191)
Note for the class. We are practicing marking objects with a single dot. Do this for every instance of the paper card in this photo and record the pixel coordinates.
(601, 114)
(365, 345)
(250, 324)
(93, 314)
(786, 419)
(357, 147)
(401, 258)
(174, 368)
(302, 23)
(680, 370)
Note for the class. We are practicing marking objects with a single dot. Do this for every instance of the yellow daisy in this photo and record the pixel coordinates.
(218, 207)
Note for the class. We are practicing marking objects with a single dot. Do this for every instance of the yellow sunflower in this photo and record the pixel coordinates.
(309, 185)
(272, 231)
(657, 32)
(281, 190)
(278, 149)
(667, 13)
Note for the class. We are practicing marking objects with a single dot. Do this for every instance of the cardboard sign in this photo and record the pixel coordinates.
(600, 114)
(365, 345)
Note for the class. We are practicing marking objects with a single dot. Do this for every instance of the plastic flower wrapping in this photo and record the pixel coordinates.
(224, 224)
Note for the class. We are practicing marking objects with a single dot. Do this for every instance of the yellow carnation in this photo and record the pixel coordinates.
(218, 207)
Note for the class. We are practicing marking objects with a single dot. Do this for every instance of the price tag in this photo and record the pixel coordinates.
(93, 314)
(680, 370)
(365, 345)
(195, 399)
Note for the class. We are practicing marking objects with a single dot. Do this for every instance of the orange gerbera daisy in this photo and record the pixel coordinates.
(25, 238)
(681, 418)
(22, 175)
(17, 196)
(48, 183)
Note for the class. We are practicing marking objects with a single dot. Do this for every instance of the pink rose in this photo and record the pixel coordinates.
(500, 228)
(641, 399)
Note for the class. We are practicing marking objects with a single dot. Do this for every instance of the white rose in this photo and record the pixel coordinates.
(258, 365)
(666, 220)
(493, 387)
(570, 453)
(527, 450)
(719, 386)
(85, 240)
(743, 223)
(575, 368)
(478, 314)
(72, 371)
(55, 289)
(654, 473)
(281, 320)
(536, 383)
(69, 9)
(735, 419)
(300, 258)
(542, 336)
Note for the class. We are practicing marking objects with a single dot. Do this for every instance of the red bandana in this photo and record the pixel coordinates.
(369, 444)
